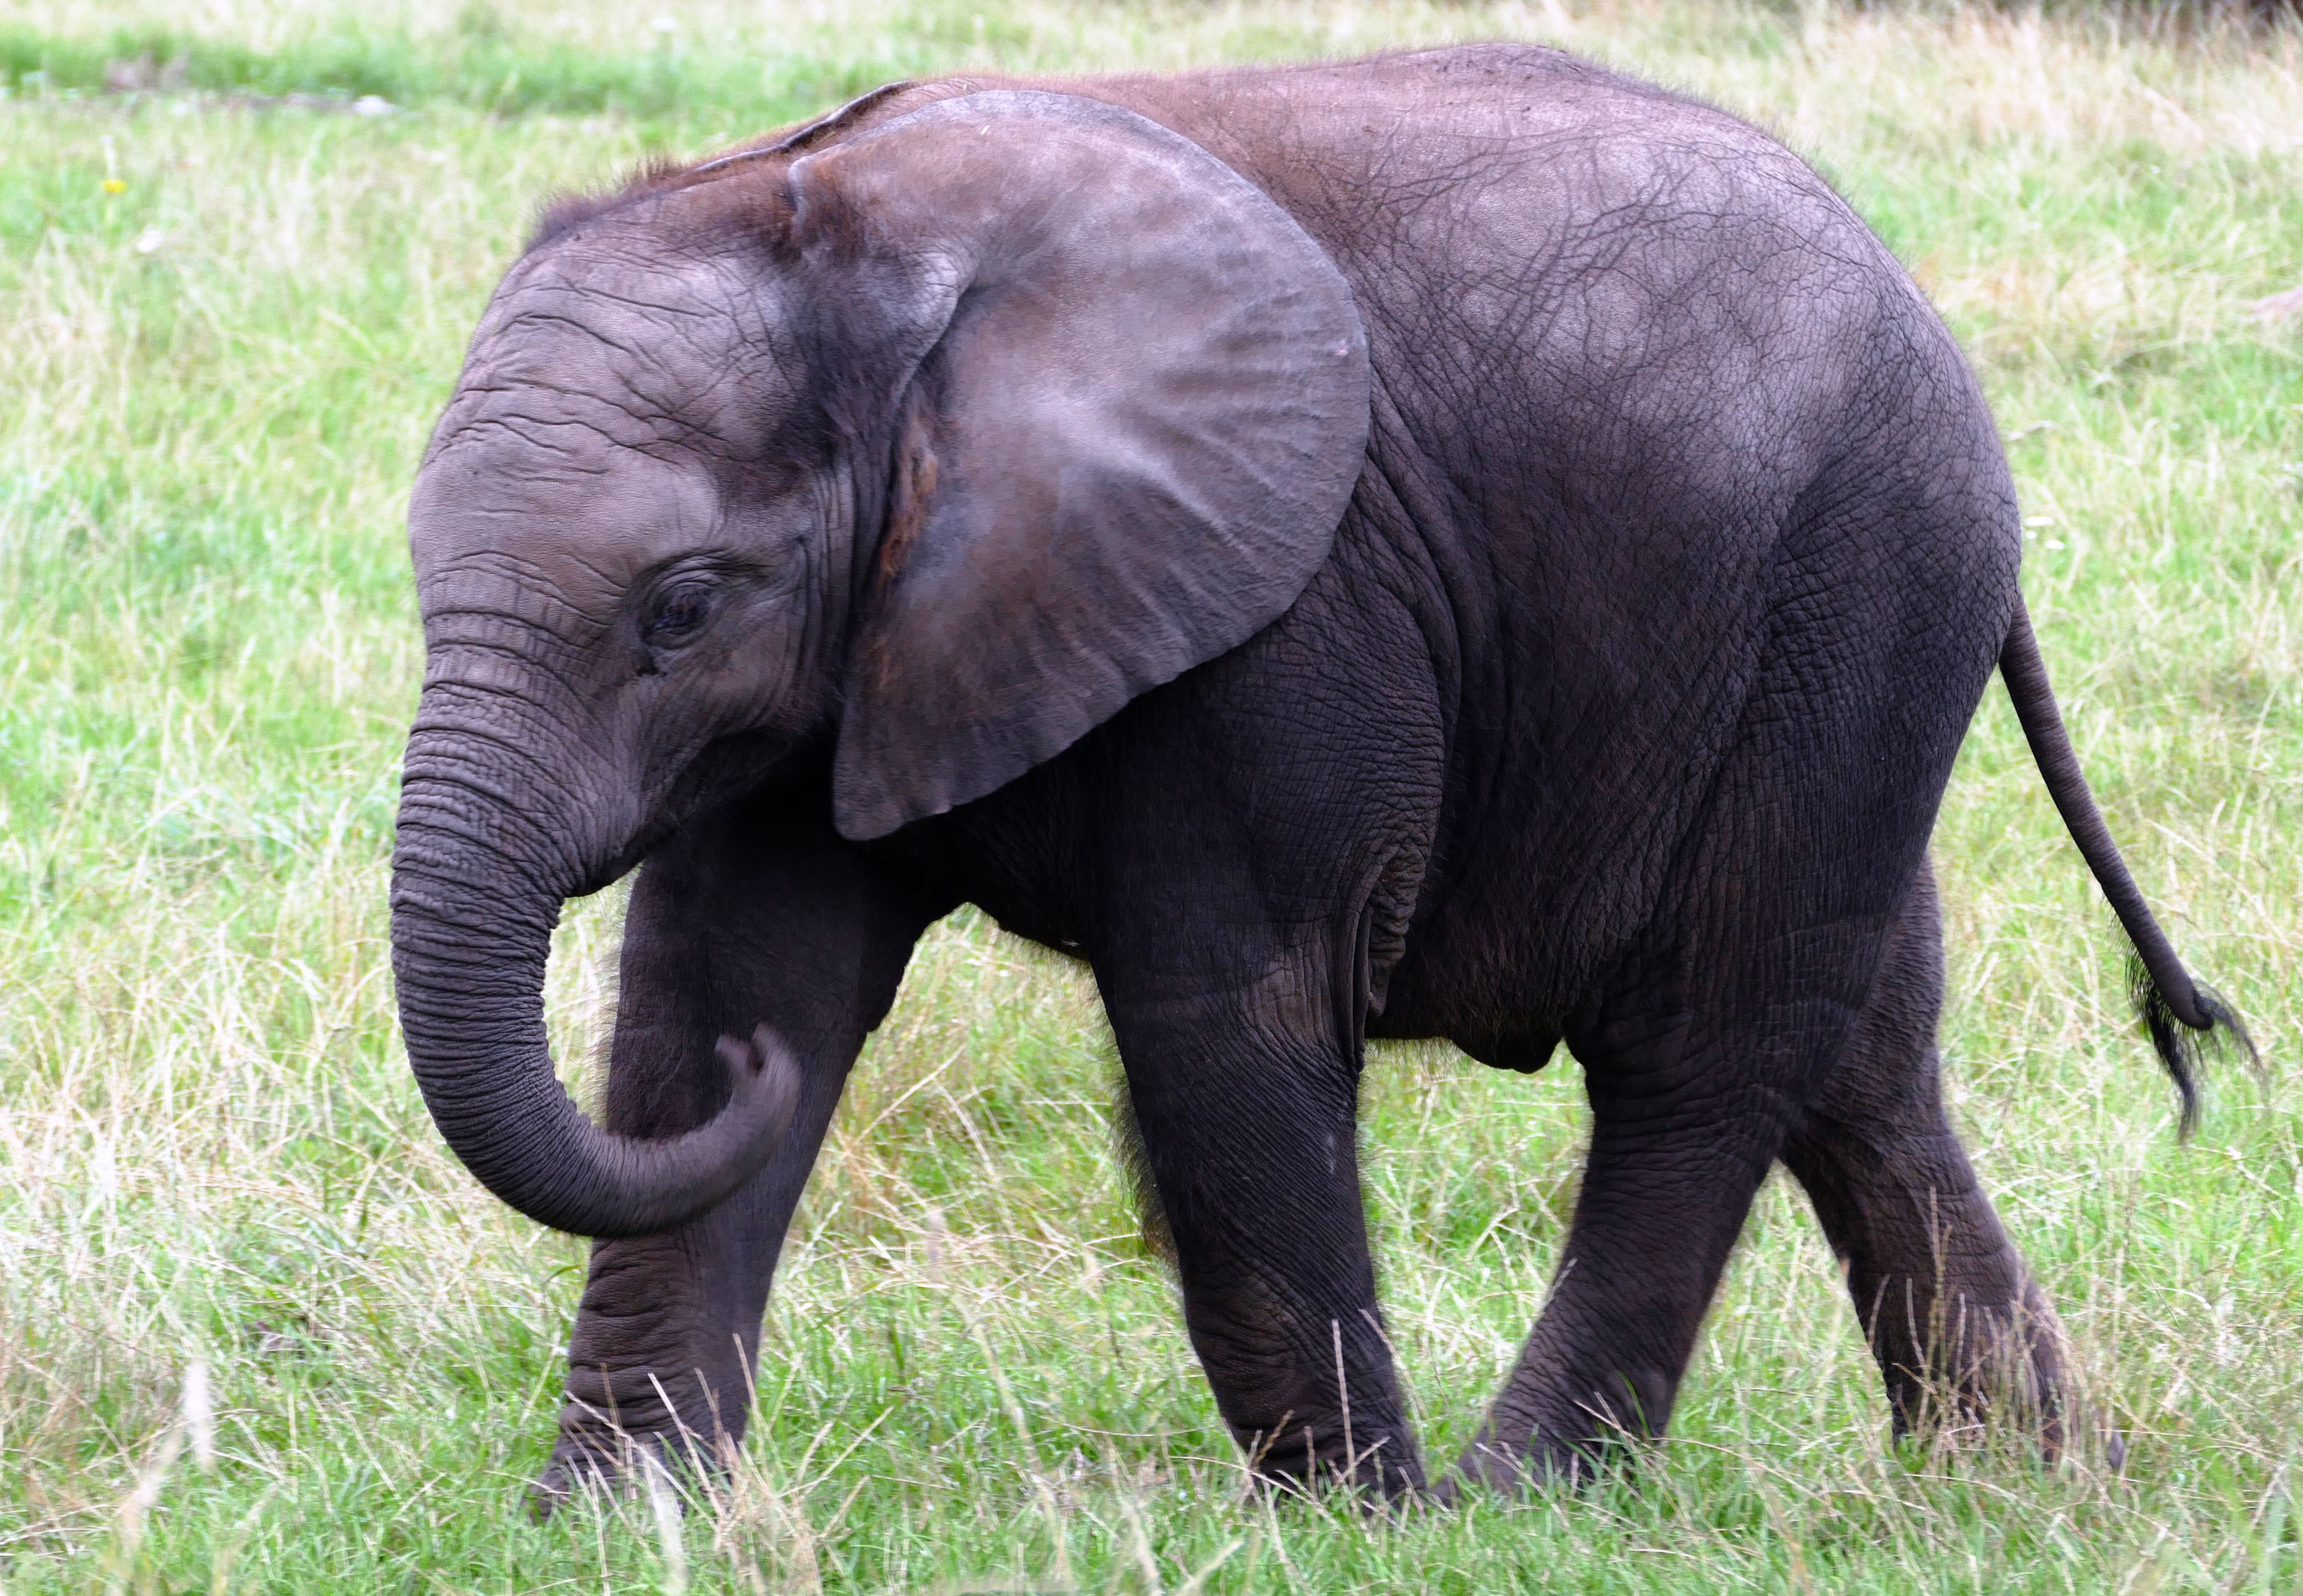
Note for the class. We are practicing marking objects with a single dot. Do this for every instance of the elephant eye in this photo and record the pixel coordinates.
(678, 611)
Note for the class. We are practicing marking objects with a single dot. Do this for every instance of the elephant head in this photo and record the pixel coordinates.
(917, 455)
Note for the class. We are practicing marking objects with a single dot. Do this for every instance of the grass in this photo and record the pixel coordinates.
(230, 318)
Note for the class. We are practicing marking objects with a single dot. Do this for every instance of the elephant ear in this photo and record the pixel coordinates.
(1134, 404)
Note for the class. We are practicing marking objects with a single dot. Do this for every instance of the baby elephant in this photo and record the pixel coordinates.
(1459, 544)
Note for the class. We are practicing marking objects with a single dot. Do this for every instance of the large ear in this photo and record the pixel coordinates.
(1139, 406)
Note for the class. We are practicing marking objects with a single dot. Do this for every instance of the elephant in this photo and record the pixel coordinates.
(1455, 544)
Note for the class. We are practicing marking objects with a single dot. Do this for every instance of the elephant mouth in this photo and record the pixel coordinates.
(747, 763)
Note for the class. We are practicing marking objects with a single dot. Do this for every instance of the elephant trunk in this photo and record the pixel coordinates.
(477, 887)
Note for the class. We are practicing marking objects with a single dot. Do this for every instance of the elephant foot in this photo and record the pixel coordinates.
(617, 1467)
(618, 1427)
(1539, 1466)
(1998, 1380)
(567, 1480)
(1385, 1485)
(1388, 1505)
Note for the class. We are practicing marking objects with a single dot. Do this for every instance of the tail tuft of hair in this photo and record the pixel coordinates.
(2184, 1047)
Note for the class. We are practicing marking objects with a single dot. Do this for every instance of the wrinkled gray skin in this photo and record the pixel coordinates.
(1461, 545)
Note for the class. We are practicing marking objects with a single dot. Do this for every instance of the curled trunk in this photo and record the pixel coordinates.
(472, 915)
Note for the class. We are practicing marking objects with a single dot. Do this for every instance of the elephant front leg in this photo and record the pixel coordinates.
(667, 1334)
(1249, 1128)
(759, 914)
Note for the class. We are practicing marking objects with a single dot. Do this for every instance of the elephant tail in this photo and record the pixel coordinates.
(2187, 1019)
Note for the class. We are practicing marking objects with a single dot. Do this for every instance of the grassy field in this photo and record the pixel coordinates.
(259, 1332)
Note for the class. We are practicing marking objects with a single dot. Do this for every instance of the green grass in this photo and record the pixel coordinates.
(218, 378)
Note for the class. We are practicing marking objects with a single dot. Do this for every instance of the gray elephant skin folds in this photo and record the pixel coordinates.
(1461, 545)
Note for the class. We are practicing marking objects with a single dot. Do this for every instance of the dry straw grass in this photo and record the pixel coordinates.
(210, 1153)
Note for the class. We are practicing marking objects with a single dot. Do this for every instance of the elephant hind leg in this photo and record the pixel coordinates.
(1961, 1329)
(1664, 1196)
